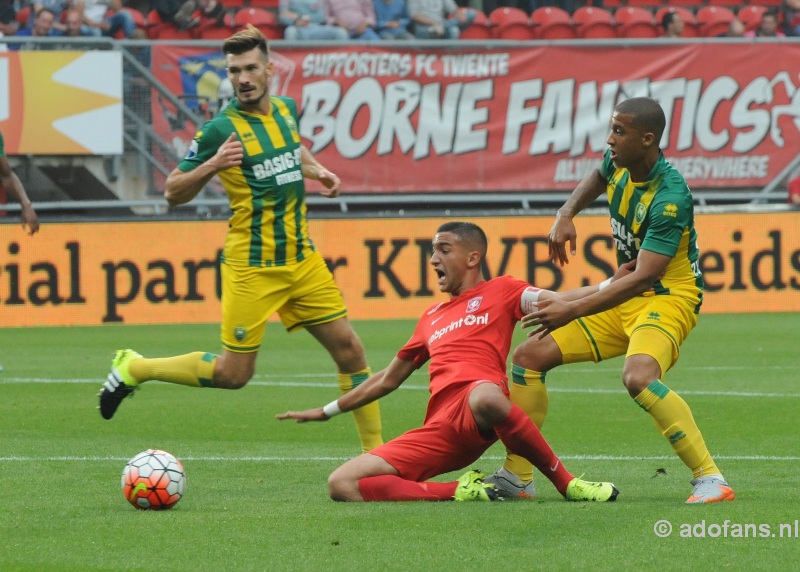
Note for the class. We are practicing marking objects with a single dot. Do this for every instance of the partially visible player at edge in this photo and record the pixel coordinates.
(467, 340)
(645, 315)
(11, 183)
(269, 263)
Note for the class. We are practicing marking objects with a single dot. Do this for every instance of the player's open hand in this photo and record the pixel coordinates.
(562, 232)
(331, 182)
(303, 416)
(551, 315)
(625, 269)
(230, 154)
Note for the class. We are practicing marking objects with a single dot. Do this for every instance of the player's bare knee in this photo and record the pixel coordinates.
(233, 380)
(526, 355)
(489, 407)
(338, 488)
(350, 356)
(635, 384)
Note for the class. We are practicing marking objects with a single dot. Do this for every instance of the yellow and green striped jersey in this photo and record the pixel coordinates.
(656, 215)
(268, 226)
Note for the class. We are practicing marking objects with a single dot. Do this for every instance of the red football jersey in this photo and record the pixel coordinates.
(468, 337)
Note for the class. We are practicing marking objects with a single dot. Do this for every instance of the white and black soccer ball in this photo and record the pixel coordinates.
(153, 480)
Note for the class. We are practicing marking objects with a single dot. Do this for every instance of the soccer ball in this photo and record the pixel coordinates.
(153, 480)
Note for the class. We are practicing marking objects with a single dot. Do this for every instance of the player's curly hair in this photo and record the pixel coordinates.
(245, 40)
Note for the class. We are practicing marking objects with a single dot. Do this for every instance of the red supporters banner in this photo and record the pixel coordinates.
(517, 119)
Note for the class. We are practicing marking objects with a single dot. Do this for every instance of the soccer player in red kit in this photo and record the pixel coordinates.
(466, 340)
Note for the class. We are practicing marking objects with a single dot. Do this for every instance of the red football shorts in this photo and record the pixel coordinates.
(449, 439)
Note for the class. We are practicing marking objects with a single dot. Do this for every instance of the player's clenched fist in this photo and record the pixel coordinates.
(230, 153)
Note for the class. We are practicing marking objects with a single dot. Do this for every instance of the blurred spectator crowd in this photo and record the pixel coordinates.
(341, 20)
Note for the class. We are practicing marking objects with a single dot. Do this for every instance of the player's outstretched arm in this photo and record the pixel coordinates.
(379, 384)
(556, 312)
(313, 169)
(181, 187)
(563, 230)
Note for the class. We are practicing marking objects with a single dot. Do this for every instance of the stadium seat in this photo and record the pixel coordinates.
(633, 22)
(552, 23)
(262, 19)
(509, 23)
(714, 21)
(158, 29)
(689, 23)
(594, 22)
(23, 14)
(171, 32)
(751, 16)
(726, 3)
(773, 3)
(478, 29)
(233, 4)
(611, 4)
(688, 3)
(137, 16)
(209, 29)
(268, 4)
(646, 3)
(153, 24)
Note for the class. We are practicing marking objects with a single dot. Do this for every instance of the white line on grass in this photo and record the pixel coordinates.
(256, 382)
(265, 459)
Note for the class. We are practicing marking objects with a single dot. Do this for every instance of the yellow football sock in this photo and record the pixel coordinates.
(674, 419)
(368, 417)
(195, 369)
(528, 390)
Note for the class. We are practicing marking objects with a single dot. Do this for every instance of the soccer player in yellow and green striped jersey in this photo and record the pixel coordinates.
(269, 263)
(644, 315)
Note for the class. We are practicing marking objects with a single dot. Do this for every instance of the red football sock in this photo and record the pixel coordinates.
(393, 488)
(521, 436)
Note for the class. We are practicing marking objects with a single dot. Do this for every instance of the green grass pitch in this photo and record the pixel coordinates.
(256, 488)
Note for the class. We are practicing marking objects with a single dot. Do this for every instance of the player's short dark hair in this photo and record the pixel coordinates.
(647, 115)
(245, 40)
(469, 233)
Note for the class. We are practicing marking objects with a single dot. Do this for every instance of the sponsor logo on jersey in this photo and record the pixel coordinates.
(671, 210)
(290, 160)
(466, 321)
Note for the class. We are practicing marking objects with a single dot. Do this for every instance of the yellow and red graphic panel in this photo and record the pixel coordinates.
(61, 102)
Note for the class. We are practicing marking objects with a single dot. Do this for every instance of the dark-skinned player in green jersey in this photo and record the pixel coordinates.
(269, 263)
(644, 316)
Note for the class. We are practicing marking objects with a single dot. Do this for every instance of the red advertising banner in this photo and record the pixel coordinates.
(390, 119)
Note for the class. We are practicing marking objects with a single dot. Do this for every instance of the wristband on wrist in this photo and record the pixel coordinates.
(604, 283)
(332, 409)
